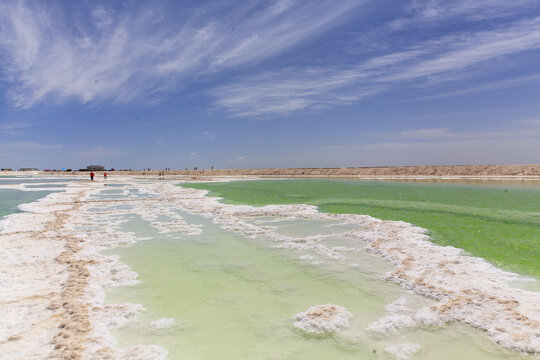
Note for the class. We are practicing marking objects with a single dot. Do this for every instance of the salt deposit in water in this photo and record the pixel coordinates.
(467, 289)
(164, 323)
(402, 351)
(322, 319)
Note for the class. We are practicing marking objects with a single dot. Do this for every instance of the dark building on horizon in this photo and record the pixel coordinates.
(95, 168)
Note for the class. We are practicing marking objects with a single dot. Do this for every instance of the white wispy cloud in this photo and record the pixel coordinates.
(29, 145)
(101, 152)
(533, 122)
(146, 52)
(14, 128)
(421, 13)
(206, 135)
(293, 90)
(527, 130)
(519, 143)
(466, 50)
(430, 62)
(425, 133)
(530, 131)
(472, 151)
(487, 86)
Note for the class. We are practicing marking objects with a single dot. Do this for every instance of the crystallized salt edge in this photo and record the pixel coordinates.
(321, 320)
(466, 289)
(454, 299)
(23, 228)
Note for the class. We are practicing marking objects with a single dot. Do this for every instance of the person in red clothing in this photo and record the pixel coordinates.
(105, 175)
(91, 175)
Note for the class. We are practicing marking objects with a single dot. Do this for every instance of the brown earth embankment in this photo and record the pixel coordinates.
(532, 170)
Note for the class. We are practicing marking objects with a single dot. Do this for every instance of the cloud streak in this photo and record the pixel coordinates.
(422, 13)
(100, 152)
(144, 53)
(14, 128)
(55, 54)
(29, 146)
(425, 63)
(519, 143)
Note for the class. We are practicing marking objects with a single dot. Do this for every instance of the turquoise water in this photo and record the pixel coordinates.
(10, 199)
(498, 221)
(9, 180)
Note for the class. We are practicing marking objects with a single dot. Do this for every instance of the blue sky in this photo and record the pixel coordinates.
(284, 83)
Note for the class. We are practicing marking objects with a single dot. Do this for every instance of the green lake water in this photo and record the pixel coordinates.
(234, 298)
(498, 221)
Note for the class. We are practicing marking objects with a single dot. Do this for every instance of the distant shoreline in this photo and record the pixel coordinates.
(531, 171)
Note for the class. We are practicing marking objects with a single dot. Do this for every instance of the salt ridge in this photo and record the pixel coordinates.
(33, 279)
(466, 289)
(56, 280)
(322, 320)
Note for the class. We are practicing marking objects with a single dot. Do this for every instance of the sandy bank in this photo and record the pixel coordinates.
(474, 171)
(466, 171)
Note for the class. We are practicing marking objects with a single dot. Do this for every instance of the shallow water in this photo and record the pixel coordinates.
(234, 298)
(11, 199)
(496, 220)
(4, 180)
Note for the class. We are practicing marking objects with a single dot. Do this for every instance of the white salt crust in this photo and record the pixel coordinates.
(34, 186)
(466, 289)
(164, 323)
(398, 306)
(32, 280)
(322, 320)
(402, 351)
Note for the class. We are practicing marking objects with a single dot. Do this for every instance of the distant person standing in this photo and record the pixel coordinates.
(92, 176)
(105, 175)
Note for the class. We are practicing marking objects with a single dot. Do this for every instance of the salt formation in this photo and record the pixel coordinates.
(165, 323)
(322, 319)
(400, 317)
(466, 289)
(402, 351)
(53, 275)
(398, 306)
